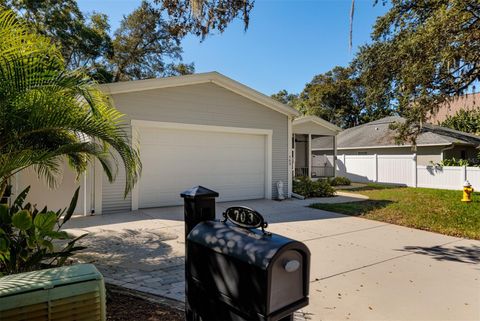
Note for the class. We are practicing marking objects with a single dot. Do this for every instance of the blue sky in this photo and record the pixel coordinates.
(286, 44)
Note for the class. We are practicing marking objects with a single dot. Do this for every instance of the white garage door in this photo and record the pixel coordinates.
(174, 160)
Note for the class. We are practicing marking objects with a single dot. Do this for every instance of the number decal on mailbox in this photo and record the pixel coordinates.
(244, 217)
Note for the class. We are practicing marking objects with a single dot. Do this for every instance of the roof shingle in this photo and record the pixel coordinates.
(378, 134)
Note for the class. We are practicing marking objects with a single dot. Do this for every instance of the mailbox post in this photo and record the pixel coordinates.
(235, 270)
(199, 205)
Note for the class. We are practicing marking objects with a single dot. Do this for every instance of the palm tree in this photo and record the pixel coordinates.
(48, 113)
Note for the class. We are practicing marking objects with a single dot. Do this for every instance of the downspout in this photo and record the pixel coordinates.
(445, 149)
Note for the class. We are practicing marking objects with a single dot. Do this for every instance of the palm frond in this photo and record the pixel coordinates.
(48, 113)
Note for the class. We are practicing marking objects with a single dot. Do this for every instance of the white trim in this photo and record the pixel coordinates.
(98, 186)
(294, 156)
(268, 166)
(335, 156)
(310, 155)
(196, 127)
(268, 133)
(136, 189)
(209, 77)
(85, 187)
(414, 170)
(290, 158)
(388, 156)
(390, 146)
(317, 120)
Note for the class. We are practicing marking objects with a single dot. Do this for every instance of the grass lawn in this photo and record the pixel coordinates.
(423, 208)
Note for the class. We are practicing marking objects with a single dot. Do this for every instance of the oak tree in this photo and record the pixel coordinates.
(424, 52)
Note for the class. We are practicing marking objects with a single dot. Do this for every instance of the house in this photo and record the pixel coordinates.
(434, 143)
(202, 129)
(465, 102)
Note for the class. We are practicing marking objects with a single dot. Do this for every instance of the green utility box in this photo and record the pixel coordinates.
(67, 293)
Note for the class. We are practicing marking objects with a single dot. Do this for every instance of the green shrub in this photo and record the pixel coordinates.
(30, 239)
(465, 120)
(340, 180)
(308, 188)
(459, 162)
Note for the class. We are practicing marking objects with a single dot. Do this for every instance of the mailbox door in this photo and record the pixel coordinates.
(237, 284)
(287, 283)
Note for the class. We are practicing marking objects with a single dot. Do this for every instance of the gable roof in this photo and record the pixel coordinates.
(377, 134)
(200, 78)
(318, 121)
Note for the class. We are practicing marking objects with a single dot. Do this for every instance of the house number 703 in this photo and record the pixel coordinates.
(244, 217)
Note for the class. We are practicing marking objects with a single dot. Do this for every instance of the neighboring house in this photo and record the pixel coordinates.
(434, 143)
(465, 102)
(202, 129)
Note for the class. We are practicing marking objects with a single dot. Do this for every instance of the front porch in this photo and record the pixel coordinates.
(314, 147)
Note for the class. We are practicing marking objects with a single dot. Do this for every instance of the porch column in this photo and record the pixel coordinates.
(294, 155)
(335, 156)
(309, 155)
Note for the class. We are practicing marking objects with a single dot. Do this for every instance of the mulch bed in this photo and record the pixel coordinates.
(124, 305)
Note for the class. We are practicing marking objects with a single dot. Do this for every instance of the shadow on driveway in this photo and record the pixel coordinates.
(464, 254)
(141, 249)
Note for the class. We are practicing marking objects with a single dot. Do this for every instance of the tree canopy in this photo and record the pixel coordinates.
(144, 46)
(147, 43)
(339, 97)
(83, 40)
(467, 121)
(287, 98)
(424, 52)
(141, 45)
(202, 17)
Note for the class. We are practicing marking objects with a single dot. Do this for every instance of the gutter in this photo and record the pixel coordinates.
(392, 146)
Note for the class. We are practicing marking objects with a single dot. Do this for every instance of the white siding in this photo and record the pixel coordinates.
(59, 198)
(312, 128)
(425, 155)
(112, 195)
(203, 104)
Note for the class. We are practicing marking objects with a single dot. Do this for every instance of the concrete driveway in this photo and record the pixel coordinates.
(361, 269)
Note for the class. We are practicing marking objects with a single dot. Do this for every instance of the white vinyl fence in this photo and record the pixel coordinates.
(403, 170)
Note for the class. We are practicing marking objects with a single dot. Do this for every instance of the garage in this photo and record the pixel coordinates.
(175, 157)
(202, 129)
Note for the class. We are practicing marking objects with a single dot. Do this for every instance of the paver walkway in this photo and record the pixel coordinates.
(361, 269)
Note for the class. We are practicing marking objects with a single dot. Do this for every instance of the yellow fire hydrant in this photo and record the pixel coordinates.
(467, 192)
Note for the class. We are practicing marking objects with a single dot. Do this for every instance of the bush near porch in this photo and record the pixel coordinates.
(433, 210)
(308, 188)
(339, 181)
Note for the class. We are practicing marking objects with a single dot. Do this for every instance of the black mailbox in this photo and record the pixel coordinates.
(239, 272)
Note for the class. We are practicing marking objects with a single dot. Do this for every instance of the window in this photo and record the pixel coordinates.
(463, 154)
